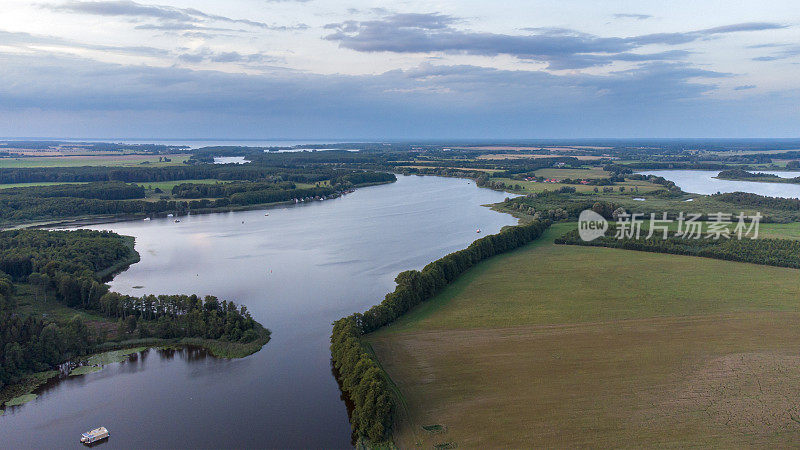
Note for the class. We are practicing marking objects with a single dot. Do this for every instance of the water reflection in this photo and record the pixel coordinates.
(297, 270)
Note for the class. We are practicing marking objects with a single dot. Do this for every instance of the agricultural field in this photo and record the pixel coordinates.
(46, 183)
(567, 346)
(121, 160)
(639, 186)
(167, 186)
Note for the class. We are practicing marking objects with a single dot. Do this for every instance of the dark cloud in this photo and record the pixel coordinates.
(56, 95)
(633, 16)
(561, 48)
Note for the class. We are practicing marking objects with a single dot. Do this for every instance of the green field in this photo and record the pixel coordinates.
(563, 346)
(167, 186)
(591, 172)
(46, 183)
(530, 186)
(122, 160)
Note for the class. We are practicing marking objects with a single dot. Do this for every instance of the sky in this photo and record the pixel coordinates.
(362, 69)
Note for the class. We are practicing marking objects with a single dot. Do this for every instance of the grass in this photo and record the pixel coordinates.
(91, 160)
(552, 346)
(20, 400)
(84, 370)
(591, 172)
(167, 186)
(44, 183)
(530, 186)
(17, 394)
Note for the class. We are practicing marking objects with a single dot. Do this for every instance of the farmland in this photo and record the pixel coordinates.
(573, 346)
(119, 160)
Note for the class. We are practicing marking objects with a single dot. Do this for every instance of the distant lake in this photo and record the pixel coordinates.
(230, 160)
(703, 182)
(297, 270)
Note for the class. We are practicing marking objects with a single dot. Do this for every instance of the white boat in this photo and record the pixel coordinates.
(146, 218)
(478, 230)
(177, 220)
(169, 215)
(98, 434)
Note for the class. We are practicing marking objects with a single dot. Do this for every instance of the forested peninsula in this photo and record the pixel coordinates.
(744, 175)
(55, 308)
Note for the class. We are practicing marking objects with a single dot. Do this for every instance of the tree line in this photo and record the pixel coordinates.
(771, 252)
(360, 376)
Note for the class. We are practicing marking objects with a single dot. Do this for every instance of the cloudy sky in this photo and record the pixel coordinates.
(361, 69)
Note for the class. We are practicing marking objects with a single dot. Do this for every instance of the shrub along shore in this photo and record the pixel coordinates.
(360, 374)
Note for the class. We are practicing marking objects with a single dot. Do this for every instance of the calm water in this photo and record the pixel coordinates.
(230, 160)
(297, 270)
(703, 182)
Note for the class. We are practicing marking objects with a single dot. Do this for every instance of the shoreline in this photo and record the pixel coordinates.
(116, 218)
(25, 390)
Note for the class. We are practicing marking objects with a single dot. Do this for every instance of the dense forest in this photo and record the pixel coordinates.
(359, 374)
(772, 252)
(67, 266)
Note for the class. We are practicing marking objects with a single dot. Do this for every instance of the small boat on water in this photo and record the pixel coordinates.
(98, 434)
(478, 230)
(146, 219)
(177, 220)
(169, 215)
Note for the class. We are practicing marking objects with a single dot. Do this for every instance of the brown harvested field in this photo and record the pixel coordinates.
(720, 381)
(564, 346)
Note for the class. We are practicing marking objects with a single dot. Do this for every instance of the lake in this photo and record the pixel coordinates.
(297, 270)
(703, 182)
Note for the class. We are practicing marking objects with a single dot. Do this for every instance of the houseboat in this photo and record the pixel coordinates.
(98, 434)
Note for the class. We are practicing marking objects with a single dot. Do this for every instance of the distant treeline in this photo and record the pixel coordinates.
(138, 174)
(739, 174)
(771, 252)
(746, 199)
(118, 198)
(95, 146)
(68, 266)
(361, 378)
(216, 190)
(113, 190)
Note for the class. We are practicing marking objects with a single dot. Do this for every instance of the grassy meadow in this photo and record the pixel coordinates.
(121, 160)
(565, 346)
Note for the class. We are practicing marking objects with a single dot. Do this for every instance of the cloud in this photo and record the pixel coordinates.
(744, 87)
(207, 55)
(32, 42)
(633, 16)
(561, 48)
(788, 51)
(129, 8)
(70, 96)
